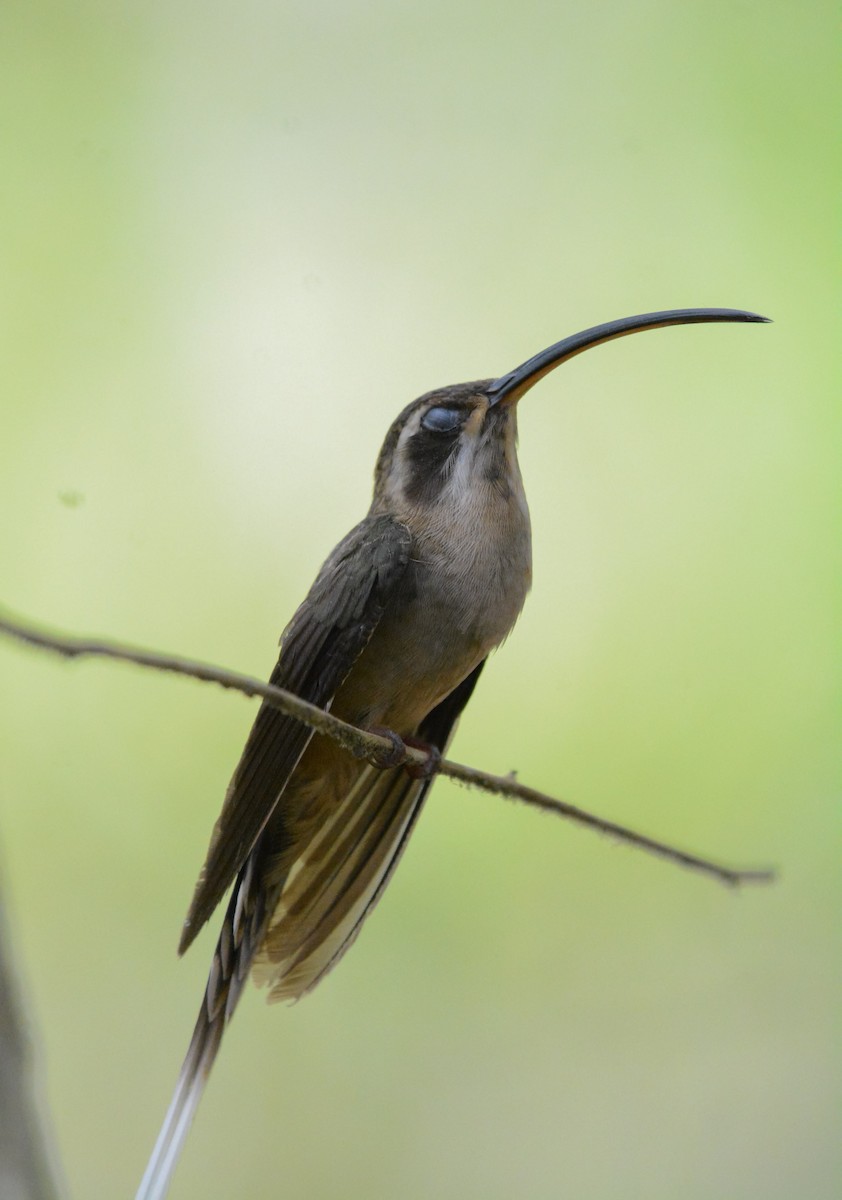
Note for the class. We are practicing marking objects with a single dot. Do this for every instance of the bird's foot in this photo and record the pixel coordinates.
(425, 769)
(395, 756)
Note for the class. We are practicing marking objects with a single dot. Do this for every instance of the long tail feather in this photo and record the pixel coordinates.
(241, 930)
(191, 1083)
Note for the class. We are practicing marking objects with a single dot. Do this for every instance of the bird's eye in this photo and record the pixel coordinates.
(442, 420)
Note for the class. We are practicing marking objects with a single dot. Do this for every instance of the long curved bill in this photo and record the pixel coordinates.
(511, 387)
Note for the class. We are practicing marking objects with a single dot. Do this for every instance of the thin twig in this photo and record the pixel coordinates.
(506, 785)
(373, 746)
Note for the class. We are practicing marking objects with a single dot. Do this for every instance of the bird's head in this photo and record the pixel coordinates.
(457, 440)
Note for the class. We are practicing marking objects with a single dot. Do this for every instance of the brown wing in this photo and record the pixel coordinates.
(318, 649)
(340, 874)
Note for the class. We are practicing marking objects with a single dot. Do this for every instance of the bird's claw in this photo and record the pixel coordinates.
(395, 755)
(427, 768)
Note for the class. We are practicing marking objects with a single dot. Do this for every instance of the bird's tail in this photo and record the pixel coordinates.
(191, 1083)
(229, 970)
(293, 920)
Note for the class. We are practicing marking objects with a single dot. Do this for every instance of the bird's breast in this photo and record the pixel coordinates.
(462, 592)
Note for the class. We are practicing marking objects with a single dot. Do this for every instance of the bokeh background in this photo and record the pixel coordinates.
(236, 240)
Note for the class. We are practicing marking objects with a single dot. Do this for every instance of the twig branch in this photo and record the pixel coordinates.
(363, 744)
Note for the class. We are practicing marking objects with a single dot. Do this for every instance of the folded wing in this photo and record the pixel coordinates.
(320, 645)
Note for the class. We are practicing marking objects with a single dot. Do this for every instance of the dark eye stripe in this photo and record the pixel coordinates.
(442, 420)
(428, 454)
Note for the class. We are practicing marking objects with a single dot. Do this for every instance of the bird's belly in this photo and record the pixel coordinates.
(397, 682)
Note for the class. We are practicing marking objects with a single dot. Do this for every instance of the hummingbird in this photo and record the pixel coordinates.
(392, 636)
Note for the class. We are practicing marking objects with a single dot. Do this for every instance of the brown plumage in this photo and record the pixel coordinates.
(393, 633)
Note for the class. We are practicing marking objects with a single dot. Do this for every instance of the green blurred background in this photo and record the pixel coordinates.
(235, 241)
